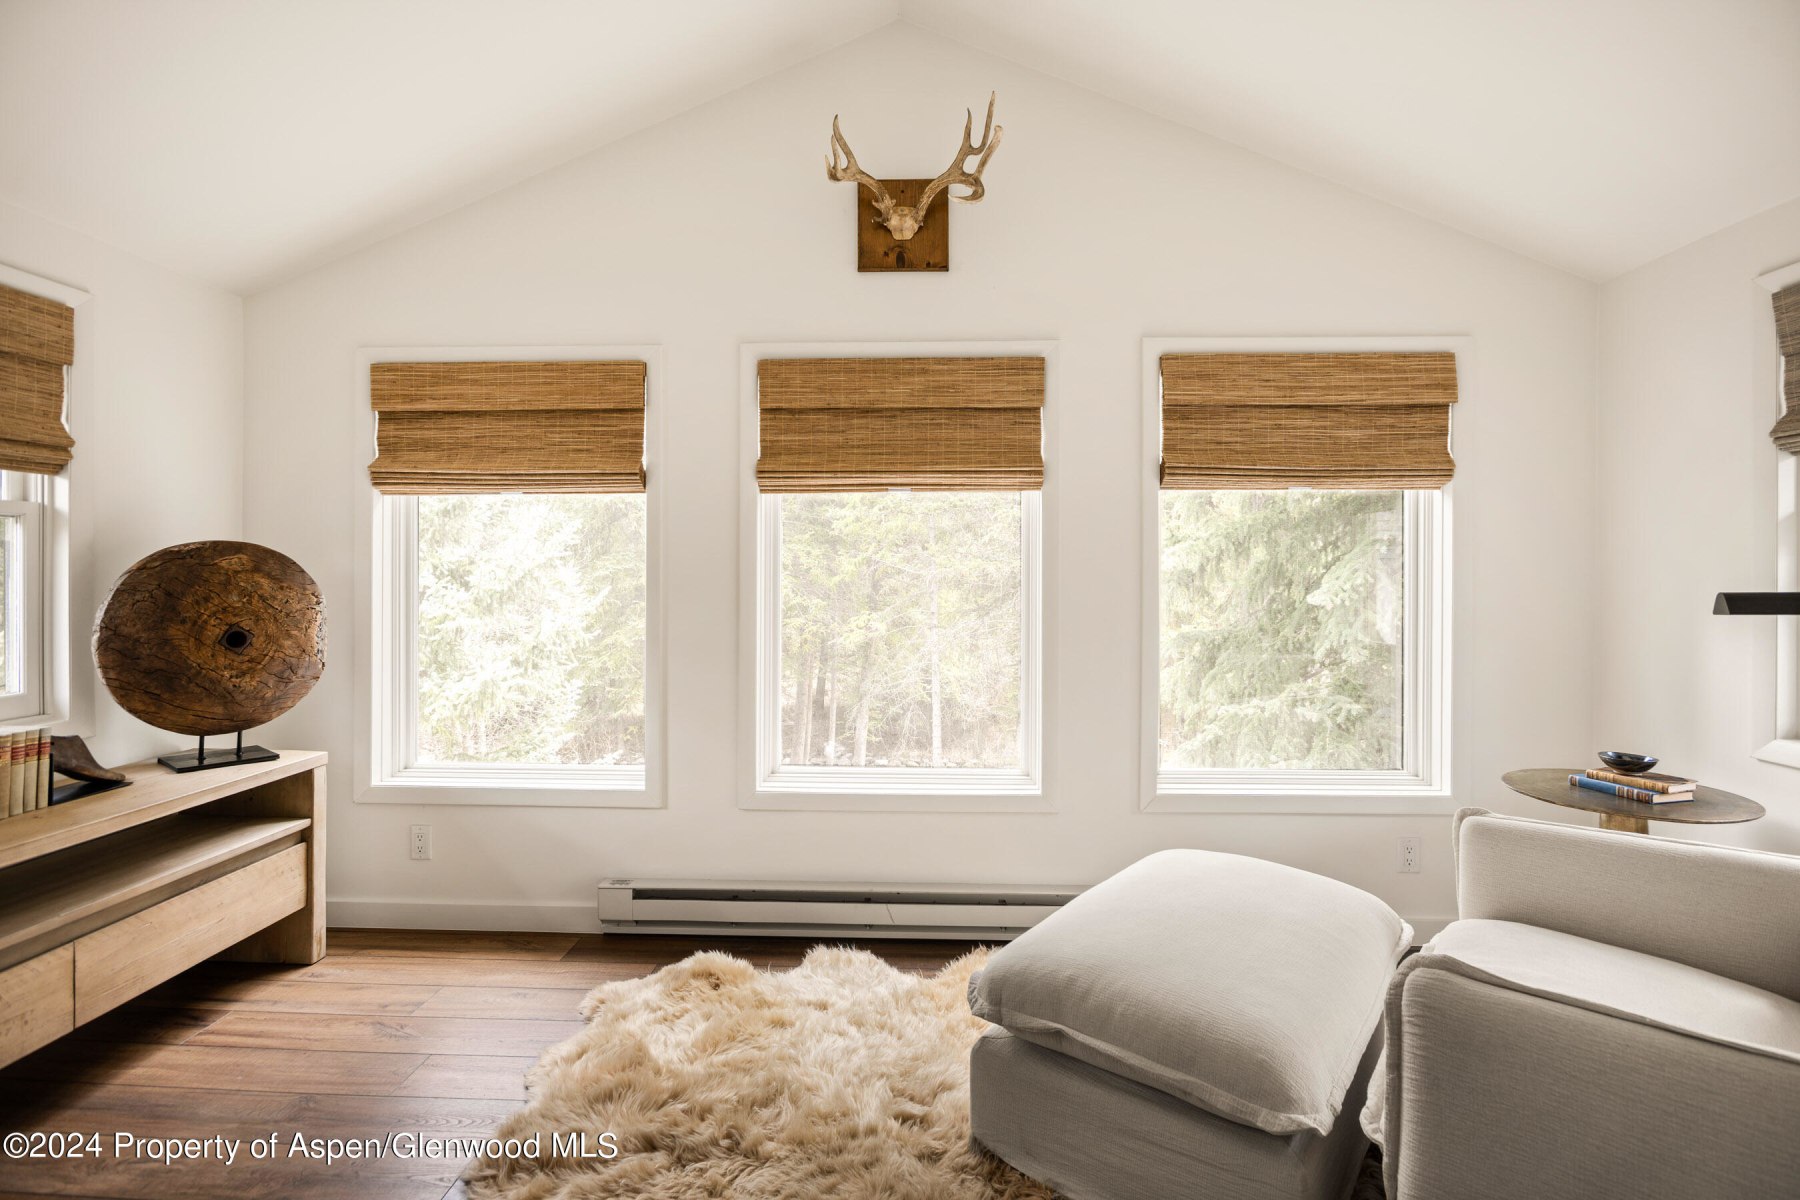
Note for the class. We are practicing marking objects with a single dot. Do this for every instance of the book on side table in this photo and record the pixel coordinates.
(1648, 787)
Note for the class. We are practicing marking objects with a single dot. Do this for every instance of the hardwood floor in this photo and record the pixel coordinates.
(393, 1031)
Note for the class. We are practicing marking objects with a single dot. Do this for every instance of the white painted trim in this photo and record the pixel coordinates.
(382, 722)
(919, 790)
(1423, 785)
(27, 707)
(487, 916)
(50, 618)
(1783, 752)
(1780, 277)
(40, 285)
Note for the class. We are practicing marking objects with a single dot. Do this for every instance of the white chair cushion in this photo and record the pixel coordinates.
(1620, 983)
(1245, 987)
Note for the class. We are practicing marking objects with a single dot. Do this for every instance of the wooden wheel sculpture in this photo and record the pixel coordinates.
(211, 638)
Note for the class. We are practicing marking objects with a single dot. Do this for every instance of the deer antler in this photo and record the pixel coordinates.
(957, 173)
(848, 172)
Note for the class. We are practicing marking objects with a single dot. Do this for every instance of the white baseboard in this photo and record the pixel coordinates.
(502, 917)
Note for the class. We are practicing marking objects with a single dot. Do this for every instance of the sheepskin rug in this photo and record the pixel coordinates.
(843, 1079)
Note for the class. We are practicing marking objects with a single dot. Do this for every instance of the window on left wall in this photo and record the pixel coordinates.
(25, 564)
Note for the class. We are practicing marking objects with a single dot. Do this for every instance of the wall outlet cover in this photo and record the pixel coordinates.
(1409, 856)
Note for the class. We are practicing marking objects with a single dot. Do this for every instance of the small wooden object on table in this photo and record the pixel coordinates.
(1710, 806)
(107, 896)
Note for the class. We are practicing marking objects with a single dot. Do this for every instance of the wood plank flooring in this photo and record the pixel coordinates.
(394, 1030)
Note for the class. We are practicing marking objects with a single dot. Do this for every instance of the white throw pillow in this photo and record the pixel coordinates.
(1245, 987)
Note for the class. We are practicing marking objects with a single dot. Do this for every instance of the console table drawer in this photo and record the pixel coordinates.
(116, 963)
(37, 1002)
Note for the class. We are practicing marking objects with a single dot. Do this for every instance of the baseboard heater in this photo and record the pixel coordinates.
(782, 909)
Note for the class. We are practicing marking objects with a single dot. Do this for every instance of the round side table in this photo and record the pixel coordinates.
(1710, 806)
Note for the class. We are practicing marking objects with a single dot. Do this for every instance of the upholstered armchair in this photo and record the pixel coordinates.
(1613, 1015)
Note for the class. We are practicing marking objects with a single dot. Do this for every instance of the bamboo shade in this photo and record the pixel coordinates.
(1787, 332)
(929, 424)
(447, 427)
(1307, 420)
(37, 340)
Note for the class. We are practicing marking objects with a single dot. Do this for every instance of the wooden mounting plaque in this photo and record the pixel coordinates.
(926, 250)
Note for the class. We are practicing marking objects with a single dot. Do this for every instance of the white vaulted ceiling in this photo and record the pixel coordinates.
(1595, 135)
(247, 140)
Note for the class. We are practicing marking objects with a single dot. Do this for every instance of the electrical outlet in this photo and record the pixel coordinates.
(1409, 856)
(421, 842)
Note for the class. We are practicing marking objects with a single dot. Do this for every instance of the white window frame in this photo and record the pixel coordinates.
(771, 785)
(32, 599)
(1777, 644)
(46, 698)
(389, 720)
(1422, 783)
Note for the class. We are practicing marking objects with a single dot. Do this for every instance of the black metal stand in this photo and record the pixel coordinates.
(64, 793)
(201, 760)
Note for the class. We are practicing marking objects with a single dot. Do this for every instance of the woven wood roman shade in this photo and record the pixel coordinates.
(930, 424)
(37, 340)
(1787, 332)
(446, 427)
(1307, 420)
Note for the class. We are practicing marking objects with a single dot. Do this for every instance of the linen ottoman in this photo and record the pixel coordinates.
(1198, 1025)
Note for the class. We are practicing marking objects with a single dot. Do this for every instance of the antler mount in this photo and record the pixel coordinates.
(906, 233)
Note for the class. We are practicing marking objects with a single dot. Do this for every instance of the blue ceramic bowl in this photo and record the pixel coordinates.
(1626, 763)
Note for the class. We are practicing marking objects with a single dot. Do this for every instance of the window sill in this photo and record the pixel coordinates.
(822, 789)
(1783, 752)
(1321, 793)
(510, 790)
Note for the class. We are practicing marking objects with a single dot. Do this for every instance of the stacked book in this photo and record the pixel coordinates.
(25, 771)
(1648, 787)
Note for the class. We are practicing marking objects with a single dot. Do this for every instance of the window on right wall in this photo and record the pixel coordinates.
(1298, 645)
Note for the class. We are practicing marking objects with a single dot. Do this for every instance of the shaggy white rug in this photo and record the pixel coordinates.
(843, 1078)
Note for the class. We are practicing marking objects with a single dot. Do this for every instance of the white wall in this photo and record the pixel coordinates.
(1688, 392)
(1101, 226)
(156, 409)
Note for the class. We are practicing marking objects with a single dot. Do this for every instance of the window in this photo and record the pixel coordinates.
(514, 588)
(37, 326)
(1293, 634)
(897, 573)
(526, 654)
(1296, 634)
(1777, 374)
(25, 564)
(901, 654)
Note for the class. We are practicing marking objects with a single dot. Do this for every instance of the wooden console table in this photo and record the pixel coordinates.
(107, 896)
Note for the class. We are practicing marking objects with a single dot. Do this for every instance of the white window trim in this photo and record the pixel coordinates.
(49, 627)
(31, 701)
(921, 789)
(1422, 786)
(386, 721)
(1777, 649)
